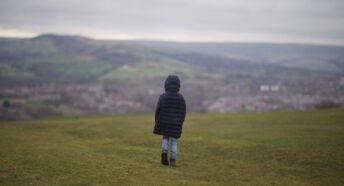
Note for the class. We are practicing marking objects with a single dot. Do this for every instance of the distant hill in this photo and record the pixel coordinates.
(56, 74)
(311, 57)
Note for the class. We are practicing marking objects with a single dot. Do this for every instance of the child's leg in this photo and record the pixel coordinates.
(174, 142)
(165, 144)
(164, 158)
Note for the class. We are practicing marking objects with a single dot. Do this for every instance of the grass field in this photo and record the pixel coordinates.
(280, 148)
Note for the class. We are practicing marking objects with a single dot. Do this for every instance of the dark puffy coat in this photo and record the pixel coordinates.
(170, 110)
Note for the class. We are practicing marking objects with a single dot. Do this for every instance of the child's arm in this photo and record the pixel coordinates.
(183, 109)
(157, 110)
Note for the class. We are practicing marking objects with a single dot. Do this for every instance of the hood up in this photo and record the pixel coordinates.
(172, 83)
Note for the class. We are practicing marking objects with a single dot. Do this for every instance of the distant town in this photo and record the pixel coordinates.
(68, 75)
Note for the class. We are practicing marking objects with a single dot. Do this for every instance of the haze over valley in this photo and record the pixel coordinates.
(71, 75)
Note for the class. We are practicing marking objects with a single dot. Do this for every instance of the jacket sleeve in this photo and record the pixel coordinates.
(158, 108)
(183, 109)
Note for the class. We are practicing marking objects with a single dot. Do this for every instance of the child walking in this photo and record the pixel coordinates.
(169, 118)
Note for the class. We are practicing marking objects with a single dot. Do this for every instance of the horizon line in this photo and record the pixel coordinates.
(172, 40)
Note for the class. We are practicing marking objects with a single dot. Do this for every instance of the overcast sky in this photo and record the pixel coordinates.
(302, 21)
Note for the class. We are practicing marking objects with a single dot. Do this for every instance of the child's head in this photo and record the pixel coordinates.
(172, 83)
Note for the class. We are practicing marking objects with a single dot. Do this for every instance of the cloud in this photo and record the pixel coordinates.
(312, 21)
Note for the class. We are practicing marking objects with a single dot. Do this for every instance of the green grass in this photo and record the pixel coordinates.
(8, 71)
(80, 69)
(148, 70)
(281, 148)
(152, 69)
(72, 66)
(312, 64)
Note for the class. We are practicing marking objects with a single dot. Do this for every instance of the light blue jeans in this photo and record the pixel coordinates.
(173, 146)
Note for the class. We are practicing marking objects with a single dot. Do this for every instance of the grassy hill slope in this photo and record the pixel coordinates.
(310, 57)
(58, 74)
(281, 148)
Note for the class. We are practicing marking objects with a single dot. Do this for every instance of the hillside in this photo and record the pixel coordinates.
(309, 57)
(276, 148)
(55, 74)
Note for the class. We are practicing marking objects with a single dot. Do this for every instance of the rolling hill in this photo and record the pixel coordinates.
(57, 74)
(310, 57)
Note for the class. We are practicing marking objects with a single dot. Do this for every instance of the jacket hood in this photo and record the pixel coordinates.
(172, 83)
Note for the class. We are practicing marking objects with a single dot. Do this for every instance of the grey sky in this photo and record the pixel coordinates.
(310, 21)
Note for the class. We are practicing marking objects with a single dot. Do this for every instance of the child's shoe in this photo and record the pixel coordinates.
(172, 162)
(164, 159)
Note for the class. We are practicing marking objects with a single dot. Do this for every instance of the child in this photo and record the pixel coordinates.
(169, 118)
